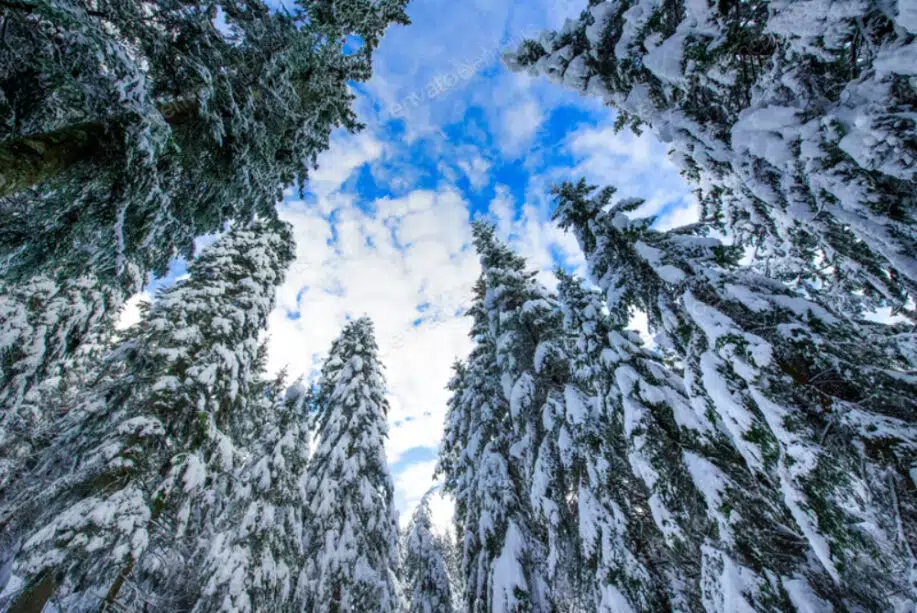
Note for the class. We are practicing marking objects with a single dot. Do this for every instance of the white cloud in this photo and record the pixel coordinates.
(638, 166)
(682, 214)
(518, 125)
(406, 263)
(347, 153)
(531, 233)
(442, 511)
(411, 484)
(476, 169)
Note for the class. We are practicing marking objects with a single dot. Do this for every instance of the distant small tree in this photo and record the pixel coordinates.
(425, 569)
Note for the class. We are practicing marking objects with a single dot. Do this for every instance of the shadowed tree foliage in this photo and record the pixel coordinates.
(138, 126)
(799, 428)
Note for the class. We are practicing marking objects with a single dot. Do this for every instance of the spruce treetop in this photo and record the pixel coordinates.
(426, 572)
(352, 534)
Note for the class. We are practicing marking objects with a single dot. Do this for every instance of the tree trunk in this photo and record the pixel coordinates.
(112, 595)
(159, 503)
(33, 599)
(31, 159)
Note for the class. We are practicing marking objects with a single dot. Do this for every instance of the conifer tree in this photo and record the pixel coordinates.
(504, 559)
(253, 556)
(352, 533)
(526, 325)
(791, 117)
(141, 129)
(640, 516)
(806, 434)
(425, 568)
(150, 450)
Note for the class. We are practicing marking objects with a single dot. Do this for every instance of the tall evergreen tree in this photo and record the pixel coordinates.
(252, 558)
(807, 434)
(144, 127)
(504, 559)
(425, 569)
(793, 118)
(150, 451)
(640, 516)
(352, 533)
(527, 328)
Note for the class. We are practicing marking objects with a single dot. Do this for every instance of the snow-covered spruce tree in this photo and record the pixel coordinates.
(425, 569)
(50, 334)
(527, 327)
(795, 119)
(253, 555)
(177, 574)
(641, 517)
(140, 128)
(351, 534)
(806, 431)
(150, 451)
(504, 558)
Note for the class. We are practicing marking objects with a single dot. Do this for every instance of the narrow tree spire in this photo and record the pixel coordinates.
(527, 326)
(351, 529)
(425, 569)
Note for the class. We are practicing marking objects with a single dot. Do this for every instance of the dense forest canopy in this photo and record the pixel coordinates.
(754, 450)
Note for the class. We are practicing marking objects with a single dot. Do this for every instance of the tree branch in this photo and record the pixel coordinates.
(19, 6)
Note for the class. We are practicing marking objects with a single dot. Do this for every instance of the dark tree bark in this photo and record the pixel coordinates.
(34, 598)
(31, 159)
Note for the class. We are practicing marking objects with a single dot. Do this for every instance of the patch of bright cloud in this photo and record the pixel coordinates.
(386, 259)
(637, 166)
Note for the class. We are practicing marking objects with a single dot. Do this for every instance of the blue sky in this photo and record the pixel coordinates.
(384, 226)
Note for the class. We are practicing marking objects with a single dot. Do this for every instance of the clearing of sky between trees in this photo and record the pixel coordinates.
(758, 456)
